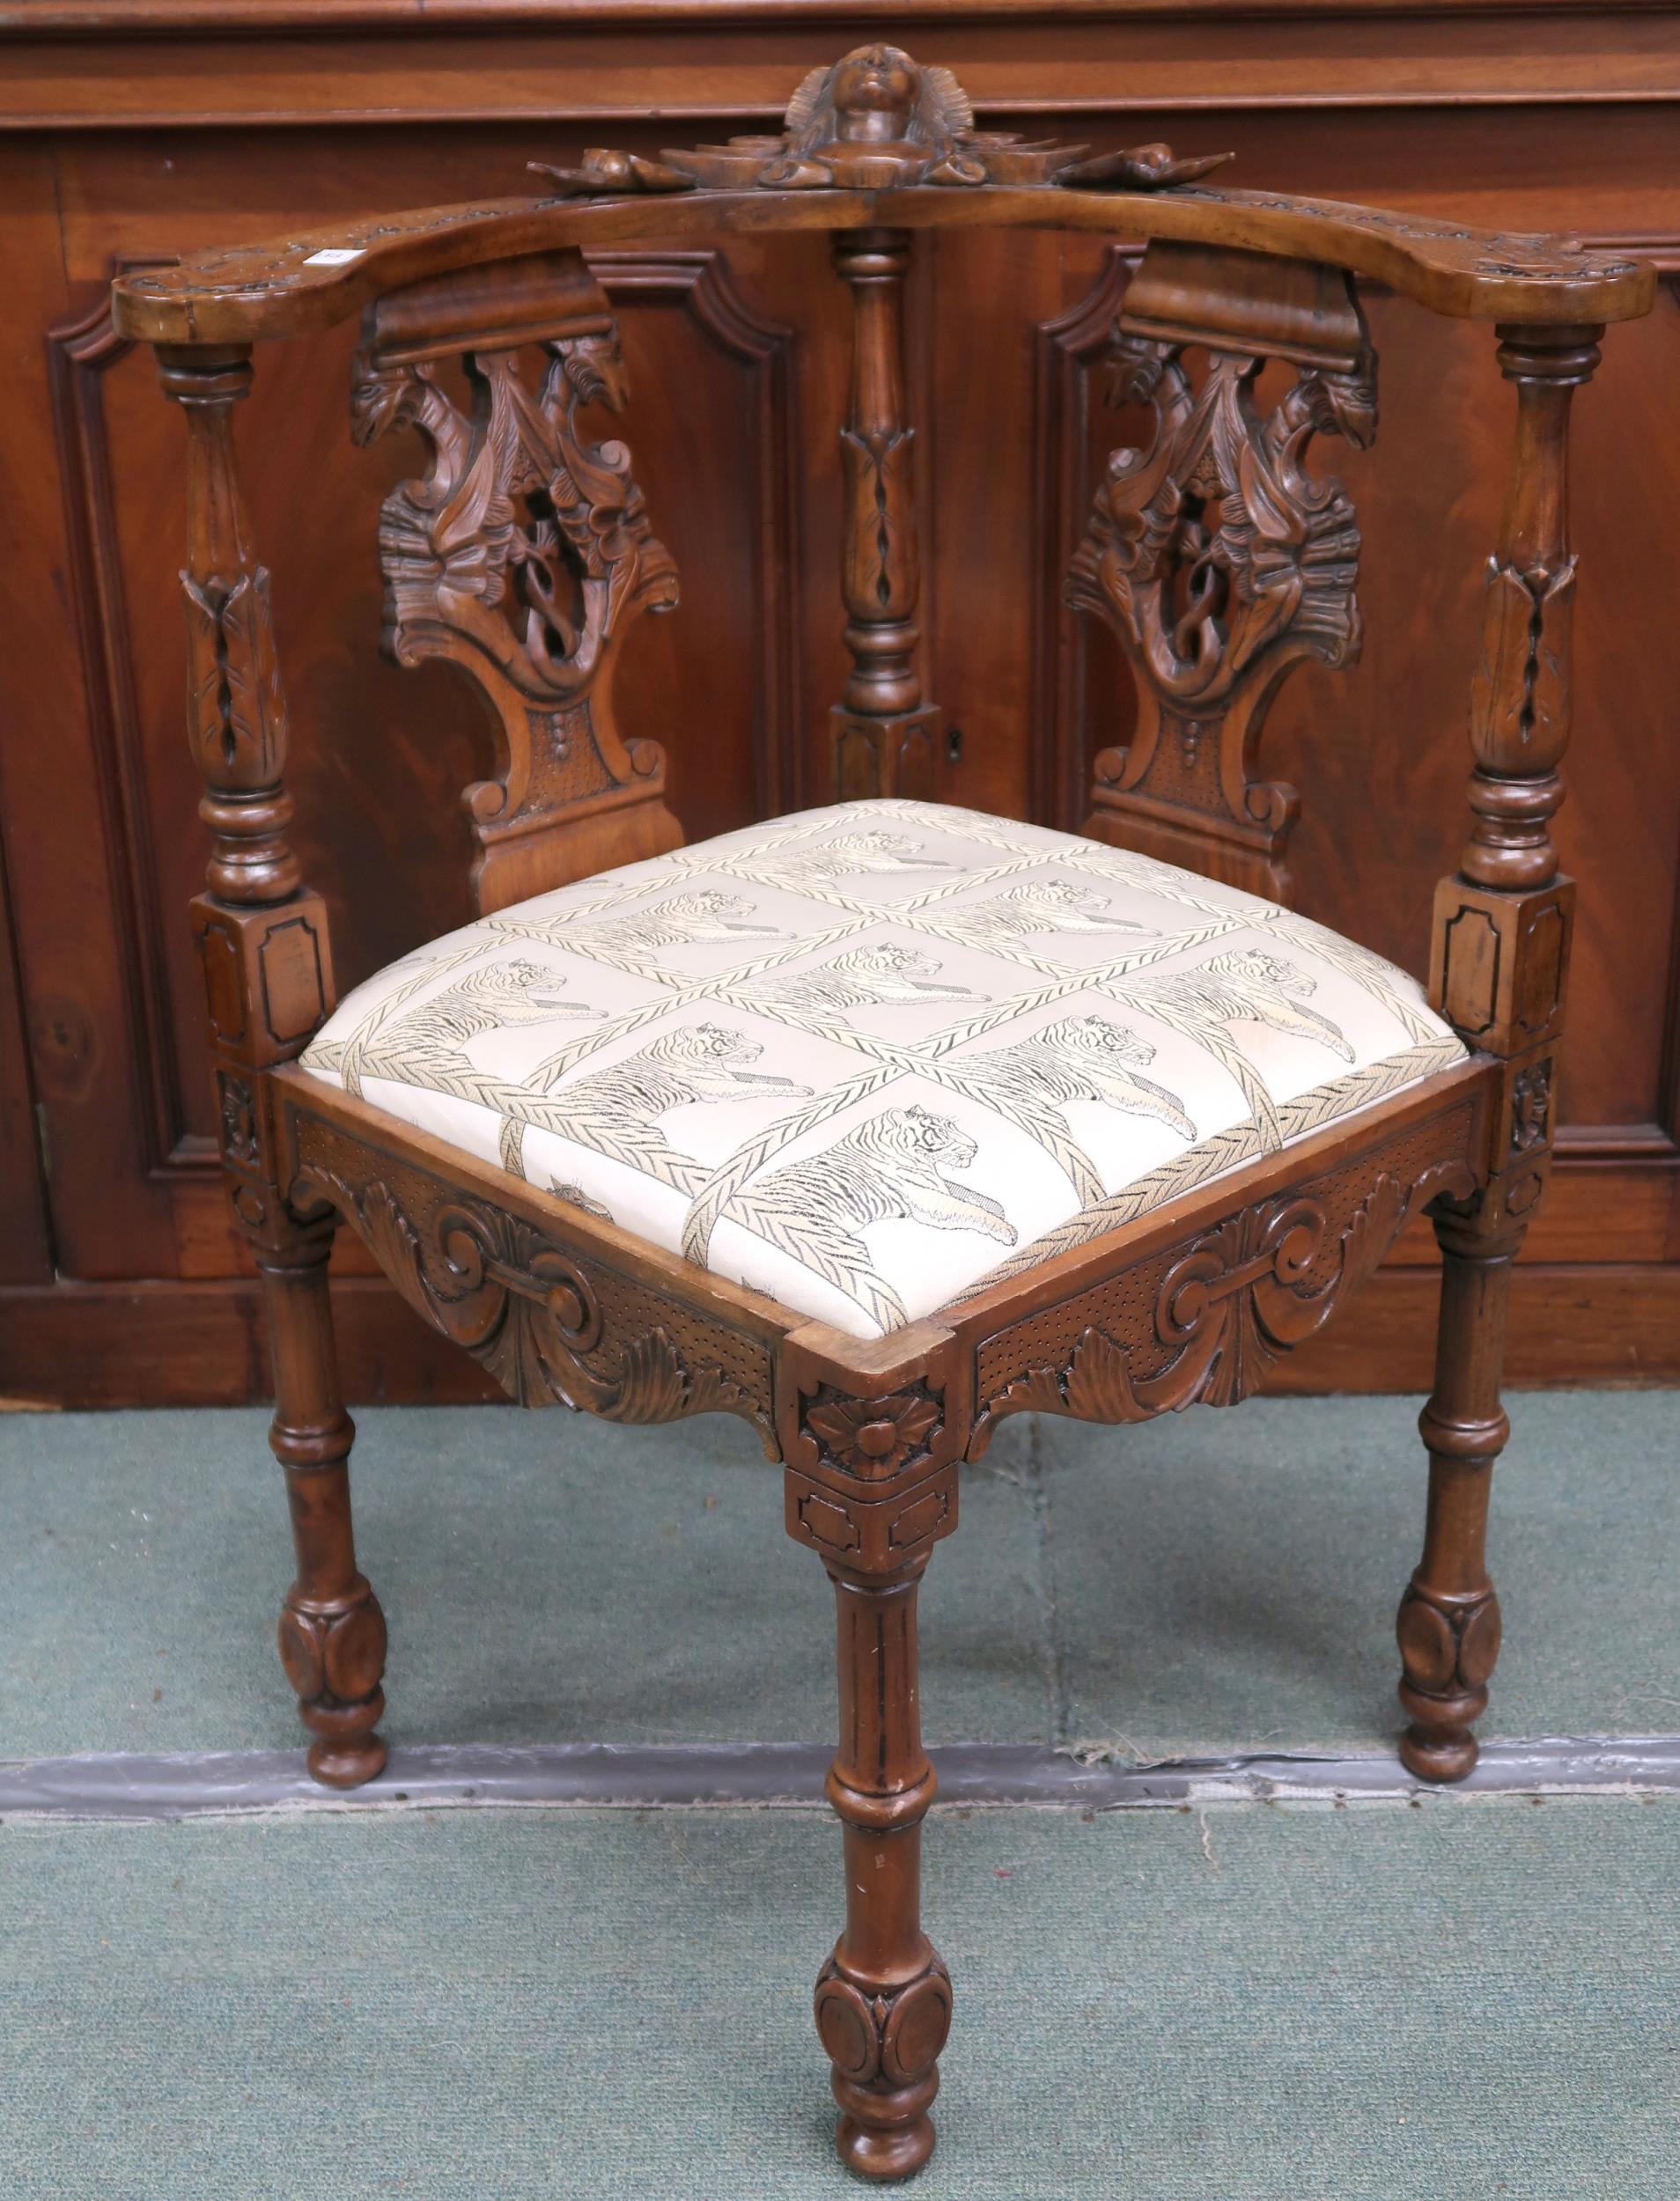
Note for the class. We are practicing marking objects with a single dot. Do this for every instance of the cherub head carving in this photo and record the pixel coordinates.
(873, 92)
(875, 120)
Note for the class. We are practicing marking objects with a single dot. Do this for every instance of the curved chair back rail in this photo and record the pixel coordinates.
(306, 283)
(522, 555)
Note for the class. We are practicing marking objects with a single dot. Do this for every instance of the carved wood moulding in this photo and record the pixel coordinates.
(1205, 1321)
(875, 137)
(552, 1325)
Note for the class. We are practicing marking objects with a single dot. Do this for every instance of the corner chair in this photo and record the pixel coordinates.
(880, 1123)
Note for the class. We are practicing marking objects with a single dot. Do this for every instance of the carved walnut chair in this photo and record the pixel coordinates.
(876, 1125)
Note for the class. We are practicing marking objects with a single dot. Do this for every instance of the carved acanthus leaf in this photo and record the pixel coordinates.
(524, 540)
(604, 174)
(236, 707)
(529, 1313)
(1215, 547)
(1220, 561)
(1229, 1307)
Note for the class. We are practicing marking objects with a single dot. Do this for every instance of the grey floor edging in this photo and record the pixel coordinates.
(132, 1786)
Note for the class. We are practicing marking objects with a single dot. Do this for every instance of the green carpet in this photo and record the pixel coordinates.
(1463, 2001)
(1228, 1580)
(1213, 1582)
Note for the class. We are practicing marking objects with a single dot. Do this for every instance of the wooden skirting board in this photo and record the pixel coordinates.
(760, 1775)
(167, 1344)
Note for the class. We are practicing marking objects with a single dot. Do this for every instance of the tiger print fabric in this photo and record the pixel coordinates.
(869, 1058)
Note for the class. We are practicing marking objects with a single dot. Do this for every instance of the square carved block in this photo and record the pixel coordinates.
(885, 756)
(875, 1534)
(267, 975)
(1500, 961)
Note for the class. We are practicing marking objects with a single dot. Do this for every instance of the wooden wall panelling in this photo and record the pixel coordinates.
(571, 60)
(60, 809)
(1083, 697)
(80, 351)
(1558, 116)
(987, 290)
(737, 483)
(26, 1246)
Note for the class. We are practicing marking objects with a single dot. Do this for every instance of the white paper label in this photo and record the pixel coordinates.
(334, 256)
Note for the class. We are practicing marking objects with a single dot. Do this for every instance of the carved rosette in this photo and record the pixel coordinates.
(871, 1481)
(240, 1141)
(1223, 1309)
(543, 1322)
(1531, 1108)
(877, 1439)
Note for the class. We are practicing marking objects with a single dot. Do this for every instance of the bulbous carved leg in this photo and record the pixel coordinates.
(332, 1632)
(1449, 1624)
(883, 1999)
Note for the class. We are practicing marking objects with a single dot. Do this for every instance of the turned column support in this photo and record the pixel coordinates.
(1500, 951)
(1520, 705)
(267, 963)
(236, 712)
(1498, 970)
(884, 732)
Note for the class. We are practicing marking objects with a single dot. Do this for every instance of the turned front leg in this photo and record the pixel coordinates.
(1448, 1625)
(883, 1999)
(332, 1631)
(1499, 972)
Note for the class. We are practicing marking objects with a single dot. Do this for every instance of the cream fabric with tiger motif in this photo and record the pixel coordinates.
(870, 1058)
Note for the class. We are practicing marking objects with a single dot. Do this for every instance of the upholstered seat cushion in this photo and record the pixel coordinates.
(866, 1058)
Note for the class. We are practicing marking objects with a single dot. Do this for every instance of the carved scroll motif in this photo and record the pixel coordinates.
(1227, 1310)
(522, 555)
(1220, 561)
(544, 1325)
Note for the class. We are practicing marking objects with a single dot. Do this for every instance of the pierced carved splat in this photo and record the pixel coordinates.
(524, 553)
(1215, 554)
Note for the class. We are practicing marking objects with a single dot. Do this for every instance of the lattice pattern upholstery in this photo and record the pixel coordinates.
(869, 1057)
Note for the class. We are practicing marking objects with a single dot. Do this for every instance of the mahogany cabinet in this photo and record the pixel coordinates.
(130, 133)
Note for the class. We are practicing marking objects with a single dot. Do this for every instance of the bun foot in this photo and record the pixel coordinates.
(347, 1764)
(346, 1752)
(881, 2155)
(1437, 1757)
